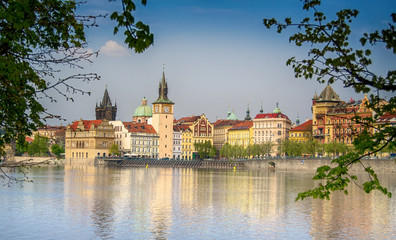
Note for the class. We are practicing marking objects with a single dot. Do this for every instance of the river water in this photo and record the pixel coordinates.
(86, 202)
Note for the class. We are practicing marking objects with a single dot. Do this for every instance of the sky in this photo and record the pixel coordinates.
(216, 55)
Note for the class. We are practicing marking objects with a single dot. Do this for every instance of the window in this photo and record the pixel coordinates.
(279, 132)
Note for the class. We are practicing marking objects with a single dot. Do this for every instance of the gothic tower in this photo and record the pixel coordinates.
(162, 120)
(106, 110)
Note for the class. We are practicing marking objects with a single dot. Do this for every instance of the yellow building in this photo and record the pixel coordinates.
(196, 129)
(87, 139)
(301, 133)
(241, 134)
(322, 128)
(162, 120)
(187, 147)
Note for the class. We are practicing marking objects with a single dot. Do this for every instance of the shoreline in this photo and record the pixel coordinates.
(295, 164)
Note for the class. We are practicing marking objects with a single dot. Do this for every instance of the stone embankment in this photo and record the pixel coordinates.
(296, 164)
(39, 160)
(303, 164)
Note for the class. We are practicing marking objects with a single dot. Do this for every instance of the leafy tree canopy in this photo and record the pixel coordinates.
(39, 146)
(331, 58)
(114, 150)
(36, 38)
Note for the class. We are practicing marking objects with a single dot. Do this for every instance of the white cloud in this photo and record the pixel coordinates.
(112, 48)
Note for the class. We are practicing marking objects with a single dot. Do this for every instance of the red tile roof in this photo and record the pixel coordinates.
(183, 128)
(307, 126)
(139, 127)
(87, 124)
(270, 115)
(242, 126)
(28, 139)
(387, 116)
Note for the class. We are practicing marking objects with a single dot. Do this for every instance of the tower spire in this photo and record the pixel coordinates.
(248, 118)
(163, 91)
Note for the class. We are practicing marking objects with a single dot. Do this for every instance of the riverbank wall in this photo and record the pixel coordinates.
(303, 164)
(296, 164)
(39, 160)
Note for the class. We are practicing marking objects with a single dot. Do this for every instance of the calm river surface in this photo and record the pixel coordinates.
(86, 202)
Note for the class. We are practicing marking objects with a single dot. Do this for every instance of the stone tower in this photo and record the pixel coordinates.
(106, 110)
(162, 120)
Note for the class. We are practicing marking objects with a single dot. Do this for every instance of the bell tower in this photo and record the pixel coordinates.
(162, 120)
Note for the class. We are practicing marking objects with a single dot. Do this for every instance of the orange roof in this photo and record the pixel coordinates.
(139, 127)
(28, 139)
(242, 126)
(87, 124)
(270, 115)
(307, 126)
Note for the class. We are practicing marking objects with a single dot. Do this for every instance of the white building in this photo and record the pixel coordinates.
(271, 127)
(122, 136)
(177, 142)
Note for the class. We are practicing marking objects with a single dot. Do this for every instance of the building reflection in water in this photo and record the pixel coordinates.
(161, 203)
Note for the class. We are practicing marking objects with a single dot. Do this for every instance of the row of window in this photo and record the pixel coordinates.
(267, 125)
(300, 134)
(84, 155)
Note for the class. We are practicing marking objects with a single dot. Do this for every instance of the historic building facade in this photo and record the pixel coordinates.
(122, 136)
(241, 134)
(195, 129)
(87, 139)
(271, 127)
(301, 133)
(162, 120)
(322, 128)
(220, 131)
(333, 119)
(106, 110)
(144, 140)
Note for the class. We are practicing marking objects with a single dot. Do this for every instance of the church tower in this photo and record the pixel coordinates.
(106, 110)
(162, 120)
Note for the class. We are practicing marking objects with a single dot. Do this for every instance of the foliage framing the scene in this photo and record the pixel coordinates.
(330, 59)
(36, 38)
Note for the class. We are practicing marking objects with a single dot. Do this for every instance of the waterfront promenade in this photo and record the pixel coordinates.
(292, 164)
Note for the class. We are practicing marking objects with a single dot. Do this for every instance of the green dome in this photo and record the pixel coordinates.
(143, 110)
(277, 109)
(232, 116)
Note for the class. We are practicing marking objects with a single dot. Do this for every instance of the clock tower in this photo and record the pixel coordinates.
(162, 120)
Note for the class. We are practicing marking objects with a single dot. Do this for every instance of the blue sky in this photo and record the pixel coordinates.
(217, 55)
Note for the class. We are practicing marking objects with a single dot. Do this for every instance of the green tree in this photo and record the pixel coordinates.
(21, 148)
(331, 58)
(39, 146)
(36, 38)
(203, 149)
(213, 152)
(114, 150)
(57, 150)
